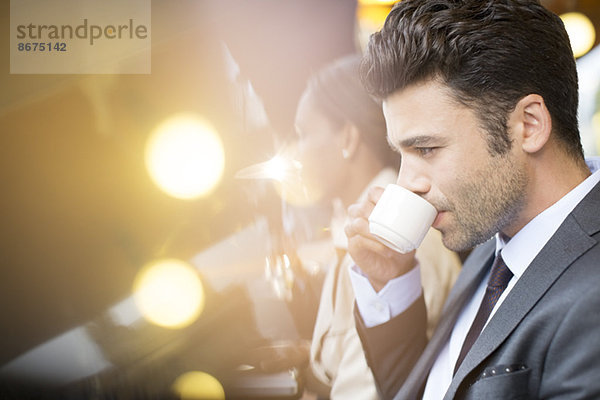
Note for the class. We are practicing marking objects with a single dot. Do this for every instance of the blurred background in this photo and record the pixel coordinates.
(118, 190)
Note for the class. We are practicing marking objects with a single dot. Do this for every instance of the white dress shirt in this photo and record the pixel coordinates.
(399, 293)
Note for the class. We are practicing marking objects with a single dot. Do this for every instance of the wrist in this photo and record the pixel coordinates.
(402, 266)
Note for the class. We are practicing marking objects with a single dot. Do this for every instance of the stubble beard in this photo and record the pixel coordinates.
(484, 203)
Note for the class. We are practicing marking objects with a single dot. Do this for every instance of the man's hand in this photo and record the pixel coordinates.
(377, 261)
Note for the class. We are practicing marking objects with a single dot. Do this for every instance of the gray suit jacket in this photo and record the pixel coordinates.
(543, 341)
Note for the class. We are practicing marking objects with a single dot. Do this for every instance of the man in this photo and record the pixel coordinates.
(480, 99)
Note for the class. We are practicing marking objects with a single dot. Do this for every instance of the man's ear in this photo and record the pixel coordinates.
(350, 140)
(531, 122)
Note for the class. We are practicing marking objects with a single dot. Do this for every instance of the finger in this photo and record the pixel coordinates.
(359, 244)
(360, 210)
(374, 194)
(357, 226)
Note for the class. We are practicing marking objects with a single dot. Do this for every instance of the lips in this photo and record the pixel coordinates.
(438, 219)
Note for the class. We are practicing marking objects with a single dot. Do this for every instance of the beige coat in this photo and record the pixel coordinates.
(336, 356)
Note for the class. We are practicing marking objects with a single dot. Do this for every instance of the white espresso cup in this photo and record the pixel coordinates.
(401, 219)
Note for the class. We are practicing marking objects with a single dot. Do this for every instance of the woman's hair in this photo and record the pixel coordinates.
(341, 98)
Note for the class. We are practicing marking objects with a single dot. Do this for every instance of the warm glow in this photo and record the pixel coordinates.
(197, 385)
(279, 273)
(169, 293)
(370, 19)
(376, 2)
(581, 32)
(277, 168)
(286, 174)
(298, 191)
(185, 157)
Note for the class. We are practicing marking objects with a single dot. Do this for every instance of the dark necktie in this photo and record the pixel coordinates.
(496, 284)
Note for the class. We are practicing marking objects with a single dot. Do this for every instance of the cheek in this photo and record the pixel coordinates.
(312, 166)
(310, 160)
(445, 191)
(322, 173)
(317, 154)
(451, 176)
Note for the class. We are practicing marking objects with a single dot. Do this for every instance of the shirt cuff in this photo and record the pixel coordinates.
(397, 295)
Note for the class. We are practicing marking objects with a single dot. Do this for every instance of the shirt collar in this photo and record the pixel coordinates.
(520, 250)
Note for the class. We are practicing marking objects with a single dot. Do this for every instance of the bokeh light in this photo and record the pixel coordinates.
(581, 32)
(196, 385)
(370, 19)
(185, 156)
(169, 293)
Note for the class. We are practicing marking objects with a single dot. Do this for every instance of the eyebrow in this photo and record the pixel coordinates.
(417, 141)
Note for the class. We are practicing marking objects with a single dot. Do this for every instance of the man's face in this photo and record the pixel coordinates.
(445, 159)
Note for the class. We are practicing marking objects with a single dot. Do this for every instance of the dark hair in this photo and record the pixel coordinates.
(341, 97)
(490, 53)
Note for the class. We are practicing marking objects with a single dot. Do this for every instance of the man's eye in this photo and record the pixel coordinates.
(425, 151)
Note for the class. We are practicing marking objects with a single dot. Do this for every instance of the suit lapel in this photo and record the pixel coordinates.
(470, 276)
(570, 241)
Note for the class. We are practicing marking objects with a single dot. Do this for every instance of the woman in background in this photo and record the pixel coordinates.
(343, 150)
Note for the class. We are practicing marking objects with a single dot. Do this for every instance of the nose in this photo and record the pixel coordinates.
(413, 178)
